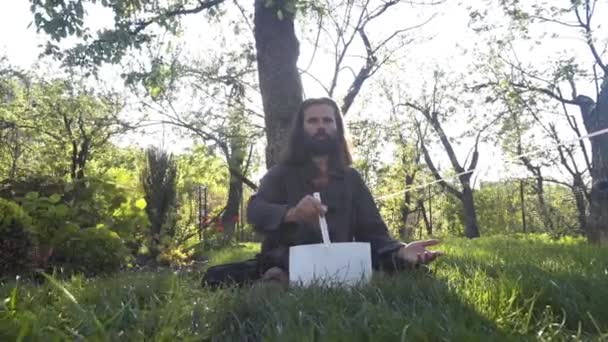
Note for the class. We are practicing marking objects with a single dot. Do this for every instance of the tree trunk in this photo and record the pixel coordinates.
(405, 213)
(236, 161)
(470, 217)
(581, 204)
(539, 189)
(231, 214)
(544, 207)
(15, 154)
(280, 84)
(597, 221)
(427, 221)
(595, 120)
(598, 213)
(407, 202)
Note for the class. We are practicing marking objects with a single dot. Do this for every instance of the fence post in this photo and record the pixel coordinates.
(199, 212)
(430, 210)
(523, 210)
(241, 218)
(202, 211)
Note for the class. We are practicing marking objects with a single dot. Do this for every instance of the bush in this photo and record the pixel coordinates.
(49, 216)
(91, 251)
(15, 238)
(173, 255)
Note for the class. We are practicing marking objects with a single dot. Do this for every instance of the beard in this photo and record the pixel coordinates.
(321, 144)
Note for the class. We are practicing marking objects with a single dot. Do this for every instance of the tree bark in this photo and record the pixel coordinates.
(544, 207)
(280, 84)
(427, 221)
(407, 202)
(539, 189)
(471, 230)
(578, 188)
(470, 216)
(596, 119)
(231, 214)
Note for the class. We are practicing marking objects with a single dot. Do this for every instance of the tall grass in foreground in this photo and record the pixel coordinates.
(493, 288)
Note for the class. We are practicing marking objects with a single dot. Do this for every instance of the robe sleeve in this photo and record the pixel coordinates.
(267, 207)
(368, 224)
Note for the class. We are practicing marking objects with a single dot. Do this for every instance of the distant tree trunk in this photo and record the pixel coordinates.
(544, 207)
(471, 229)
(470, 216)
(80, 161)
(230, 216)
(405, 213)
(578, 191)
(427, 222)
(407, 203)
(15, 154)
(465, 195)
(280, 84)
(539, 189)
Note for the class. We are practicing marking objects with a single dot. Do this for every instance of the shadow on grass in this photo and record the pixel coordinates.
(569, 303)
(467, 299)
(407, 306)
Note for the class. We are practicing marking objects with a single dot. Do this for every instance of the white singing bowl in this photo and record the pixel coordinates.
(343, 263)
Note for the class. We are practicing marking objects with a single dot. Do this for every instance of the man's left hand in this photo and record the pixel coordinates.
(416, 253)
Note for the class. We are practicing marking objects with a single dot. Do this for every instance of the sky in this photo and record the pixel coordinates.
(450, 37)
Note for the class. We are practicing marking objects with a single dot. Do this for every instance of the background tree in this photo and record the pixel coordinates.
(407, 156)
(436, 108)
(208, 100)
(567, 71)
(277, 46)
(63, 119)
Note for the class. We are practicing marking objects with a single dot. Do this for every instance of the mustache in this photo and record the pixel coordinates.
(322, 134)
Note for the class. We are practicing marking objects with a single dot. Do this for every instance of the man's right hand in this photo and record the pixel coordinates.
(308, 209)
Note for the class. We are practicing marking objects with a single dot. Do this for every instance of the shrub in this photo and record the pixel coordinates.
(91, 251)
(15, 238)
(173, 255)
(49, 216)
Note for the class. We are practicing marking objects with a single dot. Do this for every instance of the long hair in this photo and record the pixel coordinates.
(296, 153)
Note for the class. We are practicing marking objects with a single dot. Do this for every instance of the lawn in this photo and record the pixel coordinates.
(492, 288)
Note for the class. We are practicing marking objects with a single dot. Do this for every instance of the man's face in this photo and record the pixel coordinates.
(320, 128)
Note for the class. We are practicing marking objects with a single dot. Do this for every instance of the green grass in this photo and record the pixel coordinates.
(493, 288)
(242, 252)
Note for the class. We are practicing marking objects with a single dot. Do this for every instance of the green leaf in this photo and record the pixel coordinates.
(62, 210)
(280, 15)
(55, 198)
(32, 195)
(155, 92)
(141, 203)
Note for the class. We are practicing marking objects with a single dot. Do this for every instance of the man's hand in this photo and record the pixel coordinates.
(416, 253)
(308, 209)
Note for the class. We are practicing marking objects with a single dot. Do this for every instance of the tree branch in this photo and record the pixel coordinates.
(586, 25)
(203, 5)
(437, 176)
(364, 74)
(574, 126)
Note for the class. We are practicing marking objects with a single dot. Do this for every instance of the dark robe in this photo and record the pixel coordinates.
(352, 215)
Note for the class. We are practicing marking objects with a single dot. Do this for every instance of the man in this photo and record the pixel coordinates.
(317, 159)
